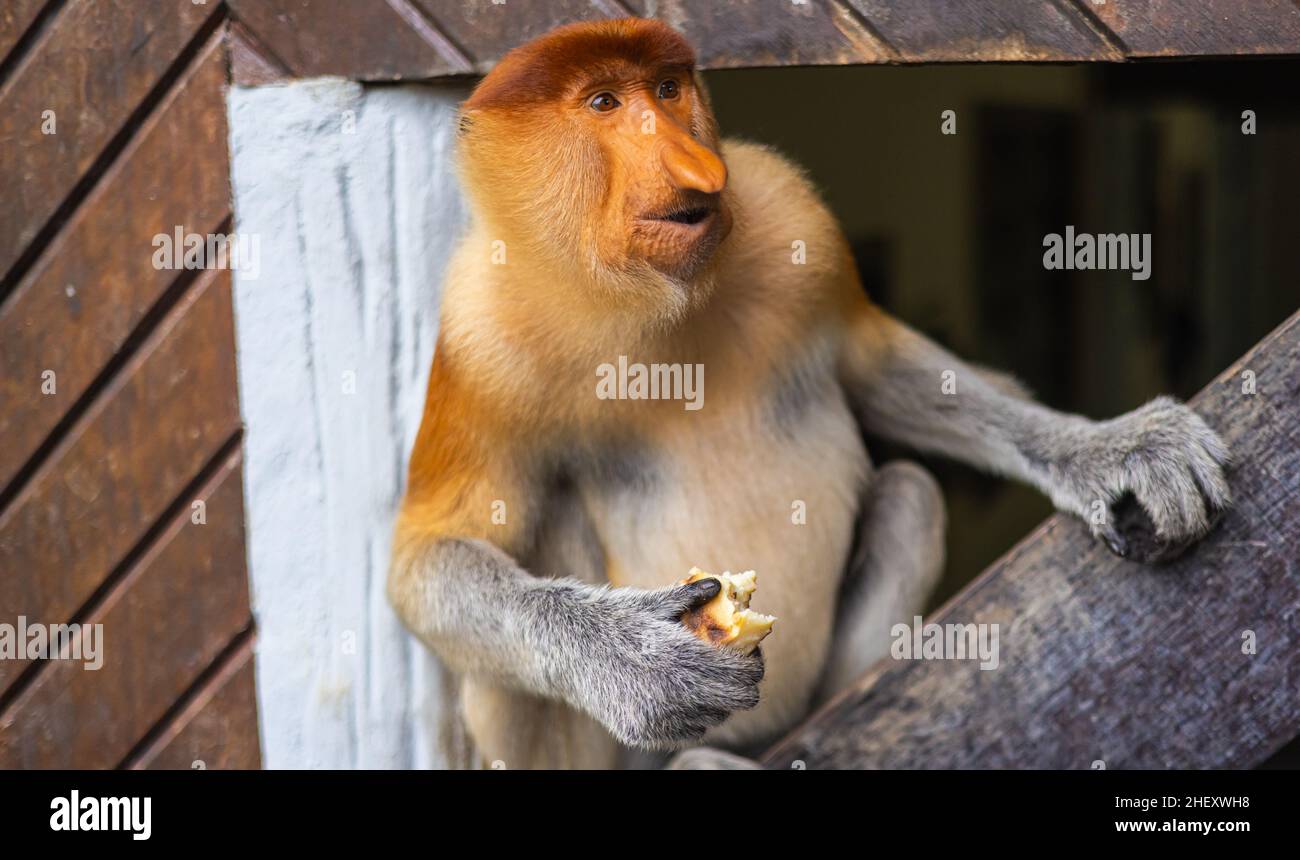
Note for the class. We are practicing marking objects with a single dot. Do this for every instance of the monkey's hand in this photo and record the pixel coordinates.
(647, 678)
(1149, 483)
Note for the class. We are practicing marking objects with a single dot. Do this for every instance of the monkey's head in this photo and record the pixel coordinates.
(595, 145)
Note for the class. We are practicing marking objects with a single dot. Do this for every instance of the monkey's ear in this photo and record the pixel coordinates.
(466, 121)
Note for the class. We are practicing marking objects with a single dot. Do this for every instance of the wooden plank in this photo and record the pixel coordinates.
(15, 17)
(485, 31)
(146, 436)
(251, 63)
(216, 731)
(1180, 28)
(162, 625)
(361, 39)
(767, 33)
(1105, 660)
(91, 288)
(963, 30)
(92, 69)
(394, 39)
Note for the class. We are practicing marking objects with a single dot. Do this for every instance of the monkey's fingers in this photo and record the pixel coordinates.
(684, 598)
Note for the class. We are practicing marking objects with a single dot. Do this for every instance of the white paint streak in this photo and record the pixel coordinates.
(355, 232)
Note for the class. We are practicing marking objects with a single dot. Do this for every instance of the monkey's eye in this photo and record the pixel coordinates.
(668, 89)
(604, 102)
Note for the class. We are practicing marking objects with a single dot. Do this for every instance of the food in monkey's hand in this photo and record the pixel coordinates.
(727, 620)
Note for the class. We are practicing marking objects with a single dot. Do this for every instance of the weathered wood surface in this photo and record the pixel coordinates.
(415, 39)
(370, 39)
(1173, 28)
(217, 730)
(15, 17)
(251, 61)
(766, 33)
(163, 623)
(91, 70)
(485, 31)
(1005, 31)
(1103, 660)
(95, 283)
(97, 474)
(113, 475)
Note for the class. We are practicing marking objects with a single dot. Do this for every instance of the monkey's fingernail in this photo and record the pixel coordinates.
(1116, 543)
(704, 591)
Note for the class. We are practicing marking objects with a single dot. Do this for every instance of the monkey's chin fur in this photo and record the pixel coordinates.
(727, 620)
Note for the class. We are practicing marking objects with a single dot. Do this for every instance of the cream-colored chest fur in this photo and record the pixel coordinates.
(773, 487)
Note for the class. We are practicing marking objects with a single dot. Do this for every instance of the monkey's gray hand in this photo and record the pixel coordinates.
(1149, 483)
(646, 677)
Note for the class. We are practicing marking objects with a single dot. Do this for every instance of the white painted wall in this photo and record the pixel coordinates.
(350, 192)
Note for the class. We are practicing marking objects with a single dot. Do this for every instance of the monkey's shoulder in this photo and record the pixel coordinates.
(775, 198)
(784, 231)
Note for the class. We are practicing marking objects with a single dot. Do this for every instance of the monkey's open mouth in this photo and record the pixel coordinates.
(690, 216)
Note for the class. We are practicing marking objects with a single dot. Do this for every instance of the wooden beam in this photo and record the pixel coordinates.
(929, 31)
(365, 39)
(1190, 28)
(419, 39)
(1191, 665)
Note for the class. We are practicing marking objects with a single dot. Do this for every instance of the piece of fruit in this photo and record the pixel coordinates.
(727, 620)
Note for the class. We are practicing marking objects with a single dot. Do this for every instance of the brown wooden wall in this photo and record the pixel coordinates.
(417, 39)
(99, 478)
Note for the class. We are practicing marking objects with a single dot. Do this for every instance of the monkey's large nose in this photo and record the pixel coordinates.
(692, 167)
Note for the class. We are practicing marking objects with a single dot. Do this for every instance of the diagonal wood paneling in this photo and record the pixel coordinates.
(251, 61)
(93, 68)
(163, 623)
(485, 31)
(218, 729)
(768, 33)
(396, 39)
(146, 437)
(96, 282)
(16, 16)
(97, 477)
(1179, 28)
(1008, 30)
(370, 39)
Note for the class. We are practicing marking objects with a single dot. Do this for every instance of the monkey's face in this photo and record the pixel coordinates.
(663, 203)
(595, 145)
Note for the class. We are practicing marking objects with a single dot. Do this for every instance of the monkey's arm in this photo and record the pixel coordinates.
(618, 654)
(907, 388)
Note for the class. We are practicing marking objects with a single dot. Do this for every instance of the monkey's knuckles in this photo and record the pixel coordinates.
(1165, 458)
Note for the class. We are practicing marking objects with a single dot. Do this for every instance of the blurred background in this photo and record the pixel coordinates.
(948, 230)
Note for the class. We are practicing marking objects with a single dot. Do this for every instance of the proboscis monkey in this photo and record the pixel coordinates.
(545, 524)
